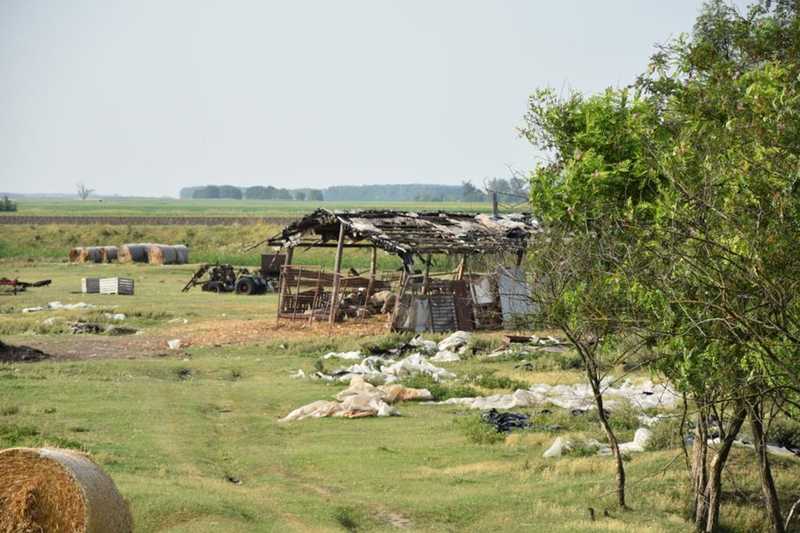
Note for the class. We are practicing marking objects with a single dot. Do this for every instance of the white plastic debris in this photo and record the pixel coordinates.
(644, 395)
(557, 449)
(445, 356)
(58, 305)
(424, 346)
(455, 341)
(359, 400)
(115, 316)
(299, 374)
(178, 320)
(639, 443)
(348, 356)
(50, 321)
(416, 364)
(174, 344)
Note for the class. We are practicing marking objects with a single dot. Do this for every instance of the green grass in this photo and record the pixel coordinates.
(207, 244)
(173, 430)
(208, 208)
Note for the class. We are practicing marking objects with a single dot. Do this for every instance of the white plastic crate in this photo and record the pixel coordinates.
(116, 286)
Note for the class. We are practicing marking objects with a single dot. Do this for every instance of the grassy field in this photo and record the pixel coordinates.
(173, 428)
(208, 208)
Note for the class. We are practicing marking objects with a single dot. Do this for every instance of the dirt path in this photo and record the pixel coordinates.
(198, 334)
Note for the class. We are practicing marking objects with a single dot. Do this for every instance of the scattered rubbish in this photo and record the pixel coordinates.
(639, 443)
(505, 422)
(174, 344)
(644, 395)
(20, 354)
(424, 346)
(178, 321)
(50, 321)
(380, 369)
(445, 356)
(49, 489)
(115, 316)
(416, 364)
(454, 342)
(558, 448)
(80, 328)
(233, 479)
(360, 399)
(58, 306)
(20, 286)
(299, 374)
(349, 356)
(184, 373)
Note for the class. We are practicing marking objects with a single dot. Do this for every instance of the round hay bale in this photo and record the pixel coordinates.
(133, 253)
(75, 254)
(111, 253)
(50, 489)
(161, 254)
(182, 253)
(94, 254)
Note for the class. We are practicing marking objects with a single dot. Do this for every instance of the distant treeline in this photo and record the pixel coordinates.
(250, 193)
(413, 192)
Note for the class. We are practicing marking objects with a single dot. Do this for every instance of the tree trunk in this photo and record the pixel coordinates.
(700, 470)
(765, 471)
(713, 493)
(612, 440)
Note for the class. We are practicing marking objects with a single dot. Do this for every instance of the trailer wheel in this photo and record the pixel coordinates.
(245, 285)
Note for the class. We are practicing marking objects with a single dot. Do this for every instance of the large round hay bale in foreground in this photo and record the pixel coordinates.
(49, 489)
(133, 253)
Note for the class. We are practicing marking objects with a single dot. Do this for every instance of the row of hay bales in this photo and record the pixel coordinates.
(154, 254)
(94, 254)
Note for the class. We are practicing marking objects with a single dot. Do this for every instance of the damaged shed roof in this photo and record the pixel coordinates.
(407, 233)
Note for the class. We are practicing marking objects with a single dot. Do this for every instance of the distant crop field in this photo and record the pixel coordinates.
(154, 207)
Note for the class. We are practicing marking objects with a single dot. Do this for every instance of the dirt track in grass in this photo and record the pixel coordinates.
(200, 334)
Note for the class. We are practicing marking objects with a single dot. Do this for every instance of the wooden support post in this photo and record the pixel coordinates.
(461, 266)
(337, 267)
(373, 267)
(289, 255)
(520, 255)
(426, 277)
(495, 211)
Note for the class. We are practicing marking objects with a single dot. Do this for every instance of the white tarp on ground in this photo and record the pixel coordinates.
(515, 293)
(359, 400)
(58, 305)
(377, 369)
(642, 395)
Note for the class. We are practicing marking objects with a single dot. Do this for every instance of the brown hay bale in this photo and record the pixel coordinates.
(75, 254)
(182, 252)
(161, 254)
(111, 253)
(49, 489)
(133, 253)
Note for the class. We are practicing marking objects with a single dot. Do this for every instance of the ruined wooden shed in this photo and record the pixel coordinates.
(425, 300)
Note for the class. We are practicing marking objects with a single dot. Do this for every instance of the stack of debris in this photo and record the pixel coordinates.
(359, 400)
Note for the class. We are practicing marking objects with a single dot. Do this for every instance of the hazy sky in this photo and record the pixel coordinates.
(146, 96)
